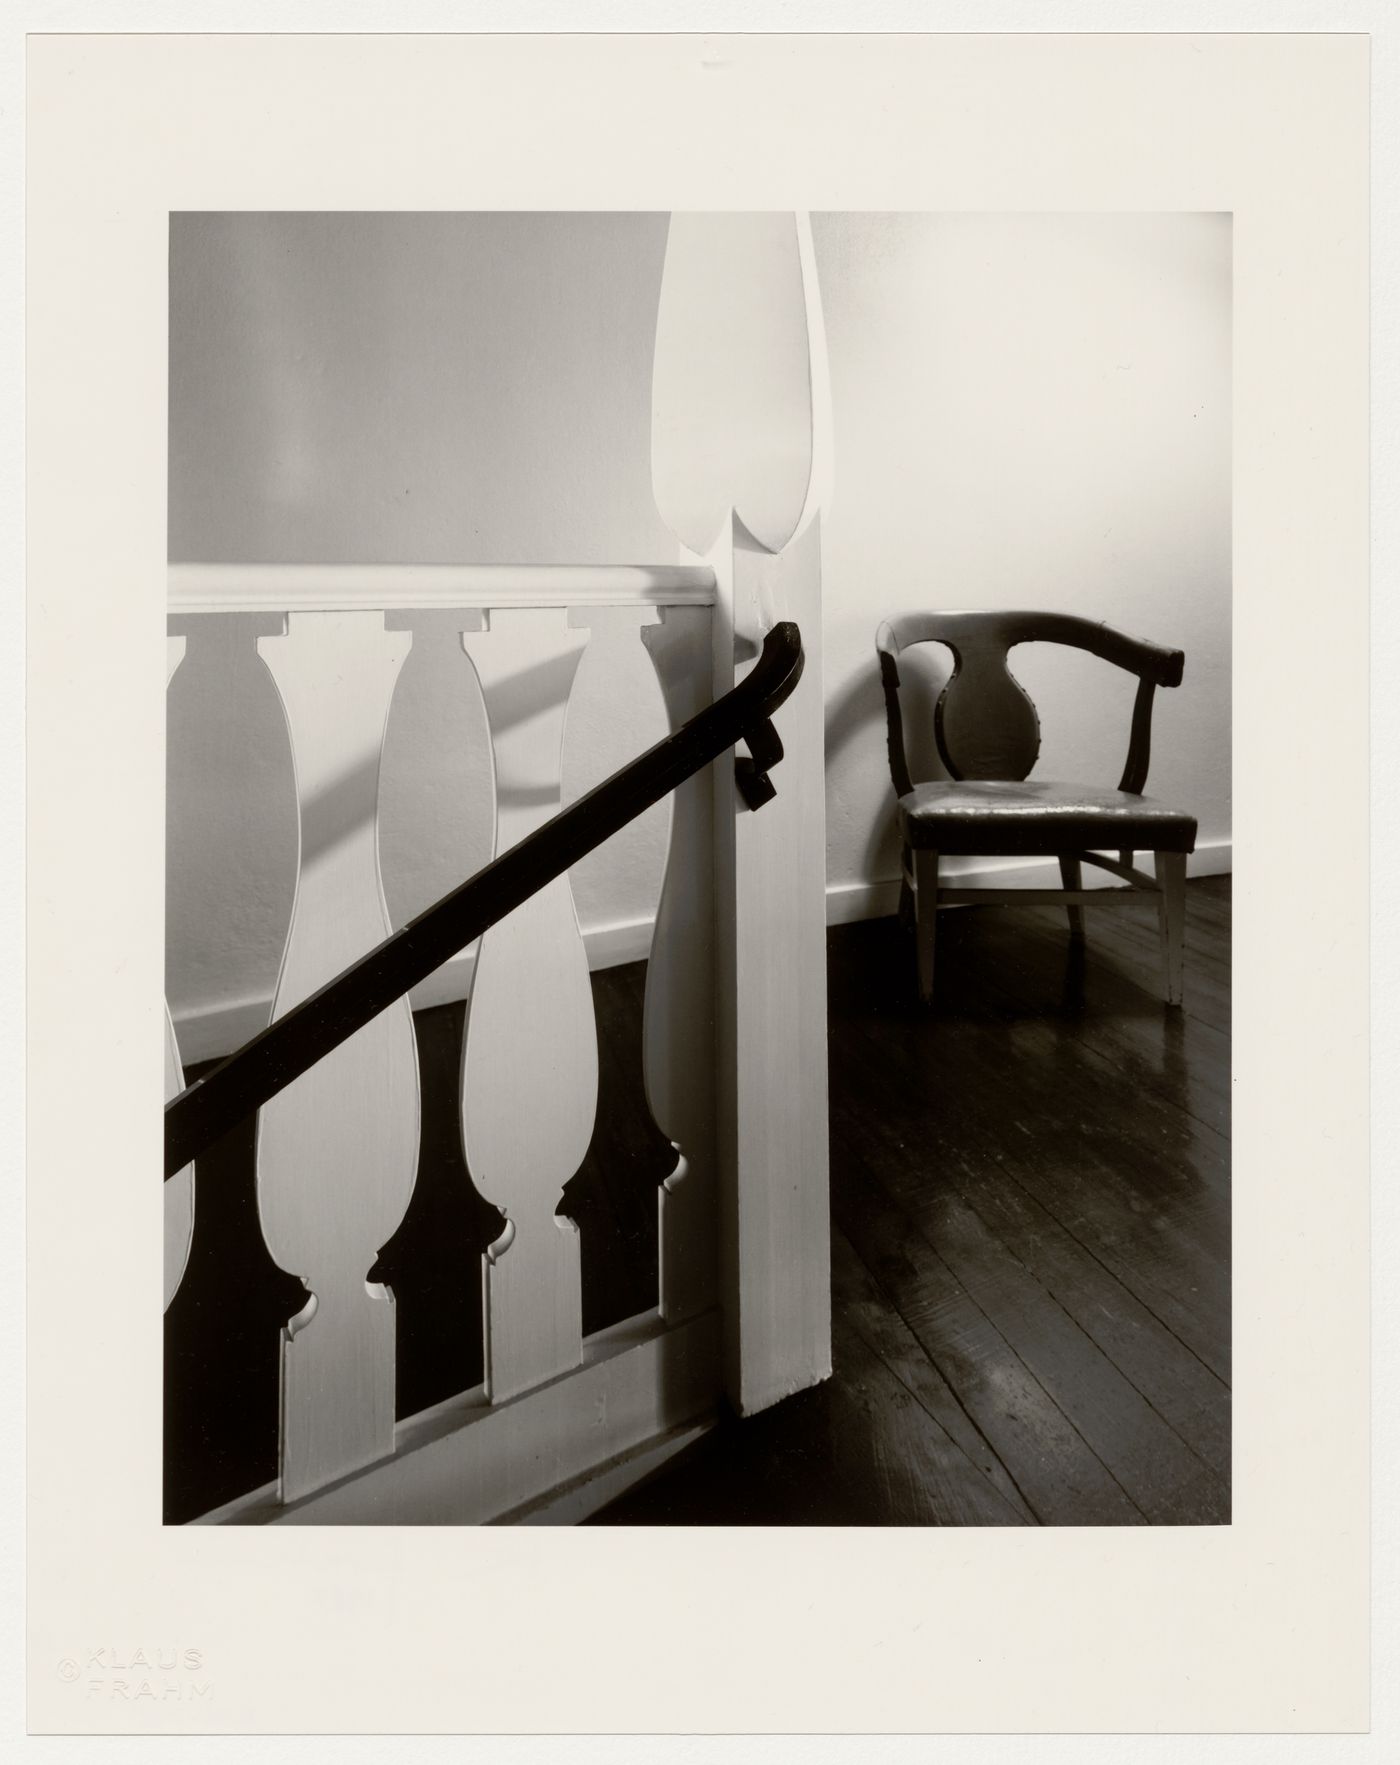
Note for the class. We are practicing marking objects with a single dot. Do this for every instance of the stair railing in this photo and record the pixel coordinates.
(290, 1046)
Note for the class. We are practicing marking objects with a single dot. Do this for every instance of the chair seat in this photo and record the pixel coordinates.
(1039, 816)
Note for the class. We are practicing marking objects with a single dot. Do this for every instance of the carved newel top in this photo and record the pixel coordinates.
(740, 395)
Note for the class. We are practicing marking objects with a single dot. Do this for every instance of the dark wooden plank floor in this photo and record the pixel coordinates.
(1031, 1242)
(1030, 1199)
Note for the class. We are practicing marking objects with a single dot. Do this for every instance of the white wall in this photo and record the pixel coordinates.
(1029, 410)
(398, 388)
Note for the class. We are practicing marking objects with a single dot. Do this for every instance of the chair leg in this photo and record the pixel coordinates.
(1072, 876)
(1171, 916)
(906, 891)
(926, 917)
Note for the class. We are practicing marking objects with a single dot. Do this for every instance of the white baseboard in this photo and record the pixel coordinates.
(1211, 858)
(849, 901)
(209, 1031)
(206, 1032)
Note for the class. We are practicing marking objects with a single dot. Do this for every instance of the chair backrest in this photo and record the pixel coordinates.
(984, 723)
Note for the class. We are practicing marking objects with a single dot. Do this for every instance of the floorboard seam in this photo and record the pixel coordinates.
(1097, 1346)
(932, 1360)
(1011, 1351)
(1117, 1279)
(961, 1451)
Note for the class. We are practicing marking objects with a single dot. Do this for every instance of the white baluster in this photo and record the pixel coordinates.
(530, 1052)
(679, 1021)
(179, 1191)
(338, 1149)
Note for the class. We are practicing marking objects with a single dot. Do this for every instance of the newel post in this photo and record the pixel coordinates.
(741, 465)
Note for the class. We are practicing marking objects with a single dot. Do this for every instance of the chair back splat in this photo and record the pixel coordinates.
(985, 724)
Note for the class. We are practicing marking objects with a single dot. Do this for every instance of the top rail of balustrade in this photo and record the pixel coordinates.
(329, 588)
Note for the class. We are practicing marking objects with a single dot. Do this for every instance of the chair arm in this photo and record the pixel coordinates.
(1140, 739)
(1149, 661)
(1154, 665)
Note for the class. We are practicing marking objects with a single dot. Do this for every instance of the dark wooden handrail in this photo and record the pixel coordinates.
(288, 1047)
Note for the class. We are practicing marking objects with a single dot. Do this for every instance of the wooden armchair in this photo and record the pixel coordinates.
(988, 737)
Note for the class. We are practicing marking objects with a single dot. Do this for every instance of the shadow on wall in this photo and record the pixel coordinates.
(855, 715)
(231, 816)
(1030, 410)
(410, 388)
(231, 825)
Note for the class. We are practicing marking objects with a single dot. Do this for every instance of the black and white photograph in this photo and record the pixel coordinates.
(655, 662)
(827, 1121)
